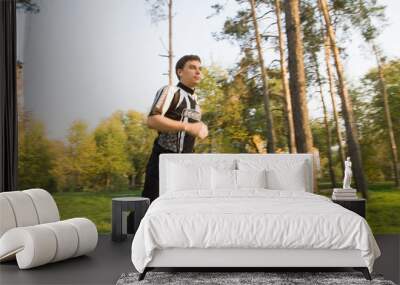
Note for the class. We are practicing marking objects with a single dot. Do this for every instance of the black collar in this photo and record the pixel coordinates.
(184, 87)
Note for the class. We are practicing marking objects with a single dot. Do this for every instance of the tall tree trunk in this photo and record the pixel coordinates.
(351, 128)
(138, 179)
(304, 139)
(170, 53)
(270, 125)
(108, 182)
(131, 180)
(291, 146)
(329, 72)
(258, 143)
(393, 146)
(285, 81)
(326, 123)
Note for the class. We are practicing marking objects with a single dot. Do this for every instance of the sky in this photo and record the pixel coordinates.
(85, 59)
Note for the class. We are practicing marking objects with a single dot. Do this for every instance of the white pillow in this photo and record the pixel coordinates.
(293, 179)
(251, 178)
(223, 179)
(183, 177)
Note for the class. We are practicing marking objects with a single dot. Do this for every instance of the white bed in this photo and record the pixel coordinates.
(214, 211)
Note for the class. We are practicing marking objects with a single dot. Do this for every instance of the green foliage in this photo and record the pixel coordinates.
(313, 38)
(233, 109)
(238, 28)
(370, 116)
(319, 138)
(76, 163)
(364, 15)
(111, 158)
(35, 157)
(222, 113)
(139, 143)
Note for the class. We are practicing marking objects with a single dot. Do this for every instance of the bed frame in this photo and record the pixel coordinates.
(245, 258)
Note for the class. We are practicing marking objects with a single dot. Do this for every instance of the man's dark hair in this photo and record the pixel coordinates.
(182, 61)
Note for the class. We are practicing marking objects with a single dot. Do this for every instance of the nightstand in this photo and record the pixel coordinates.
(127, 212)
(355, 205)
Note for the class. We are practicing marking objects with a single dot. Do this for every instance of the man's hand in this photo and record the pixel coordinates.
(203, 132)
(164, 124)
(197, 129)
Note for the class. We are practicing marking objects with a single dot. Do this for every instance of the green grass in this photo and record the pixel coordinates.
(94, 206)
(383, 207)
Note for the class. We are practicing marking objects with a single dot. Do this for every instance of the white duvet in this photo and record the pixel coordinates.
(252, 218)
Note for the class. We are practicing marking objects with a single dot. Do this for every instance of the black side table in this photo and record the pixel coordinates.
(121, 208)
(356, 205)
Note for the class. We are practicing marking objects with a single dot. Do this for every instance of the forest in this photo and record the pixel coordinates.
(260, 105)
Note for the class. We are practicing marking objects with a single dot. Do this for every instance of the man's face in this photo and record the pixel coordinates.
(190, 74)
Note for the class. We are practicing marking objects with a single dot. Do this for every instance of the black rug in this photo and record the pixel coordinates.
(230, 278)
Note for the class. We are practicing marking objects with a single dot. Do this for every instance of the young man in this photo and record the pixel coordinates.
(176, 115)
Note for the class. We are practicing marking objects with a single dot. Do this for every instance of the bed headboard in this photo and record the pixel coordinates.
(231, 160)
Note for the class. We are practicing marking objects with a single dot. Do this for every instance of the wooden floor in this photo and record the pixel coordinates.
(110, 260)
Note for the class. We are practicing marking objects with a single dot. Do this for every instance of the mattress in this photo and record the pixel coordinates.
(251, 219)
